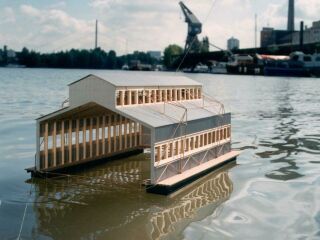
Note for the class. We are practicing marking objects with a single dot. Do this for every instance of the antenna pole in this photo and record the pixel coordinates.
(96, 39)
(255, 31)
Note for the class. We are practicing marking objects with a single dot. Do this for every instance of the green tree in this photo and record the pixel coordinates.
(171, 52)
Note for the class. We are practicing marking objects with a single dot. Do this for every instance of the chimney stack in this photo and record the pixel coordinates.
(291, 16)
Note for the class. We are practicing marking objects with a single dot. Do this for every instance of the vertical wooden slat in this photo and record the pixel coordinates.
(77, 139)
(154, 99)
(159, 97)
(45, 142)
(193, 143)
(84, 138)
(135, 134)
(140, 135)
(103, 135)
(109, 134)
(195, 93)
(166, 151)
(177, 148)
(90, 137)
(125, 133)
(130, 133)
(187, 145)
(129, 97)
(170, 150)
(150, 96)
(54, 144)
(97, 136)
(115, 130)
(120, 133)
(158, 149)
(121, 98)
(62, 142)
(136, 100)
(70, 141)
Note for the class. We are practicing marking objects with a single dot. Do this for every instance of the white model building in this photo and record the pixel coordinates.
(118, 114)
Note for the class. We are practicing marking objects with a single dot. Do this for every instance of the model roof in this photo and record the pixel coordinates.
(133, 79)
(157, 115)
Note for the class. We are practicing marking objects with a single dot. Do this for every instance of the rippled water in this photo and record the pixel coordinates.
(271, 193)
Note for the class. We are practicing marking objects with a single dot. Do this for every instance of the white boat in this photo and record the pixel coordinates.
(219, 68)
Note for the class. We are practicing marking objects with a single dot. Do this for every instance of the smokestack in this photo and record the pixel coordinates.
(96, 39)
(301, 35)
(291, 16)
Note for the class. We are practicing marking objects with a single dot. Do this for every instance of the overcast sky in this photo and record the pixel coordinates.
(144, 24)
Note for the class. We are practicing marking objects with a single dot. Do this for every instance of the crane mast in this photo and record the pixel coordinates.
(194, 28)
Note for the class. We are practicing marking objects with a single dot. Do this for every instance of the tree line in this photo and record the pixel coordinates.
(94, 58)
(74, 58)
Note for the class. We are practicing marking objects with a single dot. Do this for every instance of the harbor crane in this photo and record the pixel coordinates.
(194, 28)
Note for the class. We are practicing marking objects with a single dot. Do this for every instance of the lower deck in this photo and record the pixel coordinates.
(178, 181)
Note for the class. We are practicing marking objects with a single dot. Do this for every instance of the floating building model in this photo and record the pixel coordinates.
(115, 115)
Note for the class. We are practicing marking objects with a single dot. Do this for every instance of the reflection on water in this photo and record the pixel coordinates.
(196, 203)
(100, 202)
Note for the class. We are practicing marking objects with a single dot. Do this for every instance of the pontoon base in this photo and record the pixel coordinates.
(172, 184)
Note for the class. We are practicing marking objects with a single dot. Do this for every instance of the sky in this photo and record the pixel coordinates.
(144, 25)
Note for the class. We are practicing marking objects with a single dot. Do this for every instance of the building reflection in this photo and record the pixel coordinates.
(109, 203)
(195, 204)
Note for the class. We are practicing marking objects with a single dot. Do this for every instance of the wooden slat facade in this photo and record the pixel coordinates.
(69, 141)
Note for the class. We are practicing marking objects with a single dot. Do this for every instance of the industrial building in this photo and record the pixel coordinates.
(117, 114)
(310, 34)
(271, 36)
(233, 44)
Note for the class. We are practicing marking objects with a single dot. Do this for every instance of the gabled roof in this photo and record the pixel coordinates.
(133, 79)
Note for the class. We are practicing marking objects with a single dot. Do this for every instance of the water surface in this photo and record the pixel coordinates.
(272, 192)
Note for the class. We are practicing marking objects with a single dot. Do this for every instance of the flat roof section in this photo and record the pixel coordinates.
(163, 114)
(133, 79)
